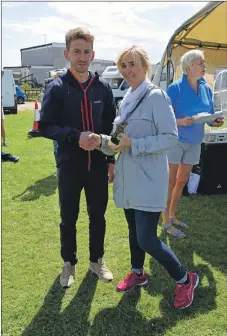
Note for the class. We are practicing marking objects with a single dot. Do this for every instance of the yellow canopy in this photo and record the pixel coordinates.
(206, 30)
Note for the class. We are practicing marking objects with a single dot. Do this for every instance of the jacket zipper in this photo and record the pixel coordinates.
(86, 124)
(87, 118)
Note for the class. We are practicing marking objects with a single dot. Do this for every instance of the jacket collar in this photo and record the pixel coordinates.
(69, 78)
(185, 81)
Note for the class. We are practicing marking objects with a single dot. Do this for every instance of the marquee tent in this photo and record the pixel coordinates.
(207, 31)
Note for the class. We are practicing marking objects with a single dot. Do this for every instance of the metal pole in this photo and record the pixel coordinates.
(168, 65)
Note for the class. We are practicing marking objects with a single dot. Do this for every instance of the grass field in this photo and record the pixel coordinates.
(33, 304)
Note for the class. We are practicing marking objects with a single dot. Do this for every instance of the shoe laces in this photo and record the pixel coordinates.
(67, 270)
(103, 266)
(128, 276)
(178, 291)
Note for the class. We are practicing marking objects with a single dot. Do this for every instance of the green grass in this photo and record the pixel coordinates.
(33, 304)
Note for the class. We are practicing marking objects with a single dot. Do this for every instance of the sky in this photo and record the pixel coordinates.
(115, 25)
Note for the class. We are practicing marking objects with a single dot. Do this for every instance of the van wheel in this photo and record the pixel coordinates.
(14, 110)
(20, 100)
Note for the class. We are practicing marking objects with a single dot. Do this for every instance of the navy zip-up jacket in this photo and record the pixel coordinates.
(68, 109)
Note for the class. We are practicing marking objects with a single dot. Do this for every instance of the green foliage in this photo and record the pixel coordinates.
(33, 98)
(25, 86)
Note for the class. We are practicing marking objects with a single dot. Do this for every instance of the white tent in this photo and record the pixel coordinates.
(206, 30)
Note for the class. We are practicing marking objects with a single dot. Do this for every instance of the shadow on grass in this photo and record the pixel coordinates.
(50, 321)
(45, 187)
(126, 318)
(206, 236)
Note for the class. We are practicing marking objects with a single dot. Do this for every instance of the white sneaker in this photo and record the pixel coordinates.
(101, 270)
(68, 275)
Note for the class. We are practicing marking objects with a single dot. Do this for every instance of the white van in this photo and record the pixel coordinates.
(9, 97)
(118, 84)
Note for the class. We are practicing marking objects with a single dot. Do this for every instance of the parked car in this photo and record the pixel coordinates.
(9, 97)
(21, 96)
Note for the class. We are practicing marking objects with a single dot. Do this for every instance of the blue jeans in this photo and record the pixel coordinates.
(55, 143)
(143, 238)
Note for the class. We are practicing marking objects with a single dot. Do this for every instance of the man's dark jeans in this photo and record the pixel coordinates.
(70, 184)
(143, 238)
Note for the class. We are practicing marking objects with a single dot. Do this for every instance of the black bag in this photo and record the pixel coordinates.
(213, 166)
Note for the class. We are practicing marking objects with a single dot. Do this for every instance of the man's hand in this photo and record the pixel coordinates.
(89, 140)
(187, 121)
(95, 138)
(94, 141)
(125, 143)
(111, 172)
(217, 122)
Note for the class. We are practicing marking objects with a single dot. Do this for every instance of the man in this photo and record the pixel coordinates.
(75, 105)
(55, 144)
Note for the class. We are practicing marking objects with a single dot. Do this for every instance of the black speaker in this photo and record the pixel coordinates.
(213, 169)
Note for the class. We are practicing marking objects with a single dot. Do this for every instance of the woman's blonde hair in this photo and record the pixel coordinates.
(136, 51)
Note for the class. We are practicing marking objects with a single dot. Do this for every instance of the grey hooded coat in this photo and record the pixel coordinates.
(141, 172)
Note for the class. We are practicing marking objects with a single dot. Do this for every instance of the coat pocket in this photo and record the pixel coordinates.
(150, 182)
(142, 180)
(118, 185)
(143, 166)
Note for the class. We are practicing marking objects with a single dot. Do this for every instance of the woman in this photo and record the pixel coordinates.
(141, 173)
(189, 96)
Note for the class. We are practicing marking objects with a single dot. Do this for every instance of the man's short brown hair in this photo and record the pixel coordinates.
(78, 33)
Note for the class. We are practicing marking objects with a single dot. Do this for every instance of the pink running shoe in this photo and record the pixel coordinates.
(184, 294)
(132, 280)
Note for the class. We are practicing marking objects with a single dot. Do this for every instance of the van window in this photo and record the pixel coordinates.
(125, 85)
(111, 69)
(116, 82)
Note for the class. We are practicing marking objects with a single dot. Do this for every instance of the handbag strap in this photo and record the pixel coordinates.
(147, 91)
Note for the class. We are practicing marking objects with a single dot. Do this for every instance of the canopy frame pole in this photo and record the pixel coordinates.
(200, 44)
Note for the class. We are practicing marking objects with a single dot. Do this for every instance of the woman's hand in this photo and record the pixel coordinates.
(89, 141)
(125, 143)
(186, 121)
(217, 122)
